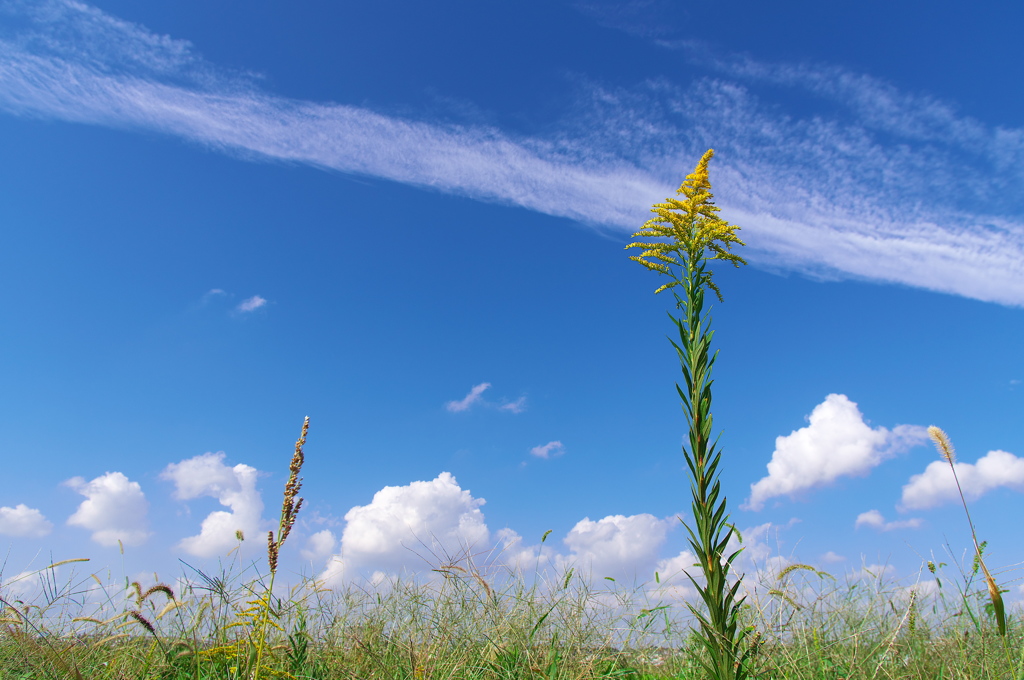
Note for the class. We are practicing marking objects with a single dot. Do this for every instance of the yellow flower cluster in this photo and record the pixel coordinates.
(692, 230)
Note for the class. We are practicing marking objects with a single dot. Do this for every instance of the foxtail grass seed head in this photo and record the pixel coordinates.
(942, 443)
(159, 588)
(142, 620)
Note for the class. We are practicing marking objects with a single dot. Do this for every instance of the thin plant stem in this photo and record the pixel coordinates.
(289, 511)
(691, 234)
(945, 447)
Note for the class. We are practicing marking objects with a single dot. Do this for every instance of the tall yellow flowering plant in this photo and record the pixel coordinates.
(690, 234)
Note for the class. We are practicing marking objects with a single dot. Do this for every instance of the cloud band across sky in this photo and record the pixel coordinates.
(892, 188)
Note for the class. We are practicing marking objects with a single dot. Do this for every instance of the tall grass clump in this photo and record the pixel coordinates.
(691, 235)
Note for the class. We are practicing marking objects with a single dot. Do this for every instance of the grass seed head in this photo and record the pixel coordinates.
(142, 620)
(942, 443)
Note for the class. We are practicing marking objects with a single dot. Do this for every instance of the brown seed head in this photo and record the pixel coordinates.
(272, 551)
(159, 588)
(143, 621)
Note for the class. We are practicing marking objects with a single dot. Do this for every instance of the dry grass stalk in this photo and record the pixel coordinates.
(945, 447)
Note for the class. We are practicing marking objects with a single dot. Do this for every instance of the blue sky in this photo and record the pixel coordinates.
(407, 222)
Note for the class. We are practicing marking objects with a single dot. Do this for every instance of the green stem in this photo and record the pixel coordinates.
(710, 535)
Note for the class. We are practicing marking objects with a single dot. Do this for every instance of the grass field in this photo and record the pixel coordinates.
(474, 622)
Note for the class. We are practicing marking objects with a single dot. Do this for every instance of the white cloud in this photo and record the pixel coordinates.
(879, 572)
(675, 567)
(251, 304)
(424, 524)
(319, 546)
(24, 586)
(874, 519)
(234, 487)
(517, 406)
(836, 443)
(857, 187)
(618, 546)
(475, 396)
(516, 554)
(672, 582)
(549, 450)
(416, 526)
(23, 521)
(468, 400)
(936, 486)
(114, 509)
(832, 557)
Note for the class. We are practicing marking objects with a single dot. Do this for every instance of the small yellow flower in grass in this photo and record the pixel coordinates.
(691, 228)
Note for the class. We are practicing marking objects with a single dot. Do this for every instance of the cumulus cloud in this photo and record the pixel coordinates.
(936, 485)
(319, 546)
(549, 450)
(425, 524)
(673, 582)
(233, 487)
(855, 187)
(23, 521)
(25, 586)
(874, 519)
(836, 443)
(468, 400)
(878, 572)
(251, 304)
(413, 527)
(114, 509)
(832, 557)
(618, 546)
(515, 553)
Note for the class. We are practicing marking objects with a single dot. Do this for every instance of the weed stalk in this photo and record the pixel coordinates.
(263, 607)
(690, 235)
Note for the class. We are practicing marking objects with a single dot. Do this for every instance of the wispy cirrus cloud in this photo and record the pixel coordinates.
(251, 304)
(473, 396)
(875, 183)
(517, 406)
(549, 450)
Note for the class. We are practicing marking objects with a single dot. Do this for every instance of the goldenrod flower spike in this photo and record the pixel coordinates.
(691, 233)
(691, 228)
